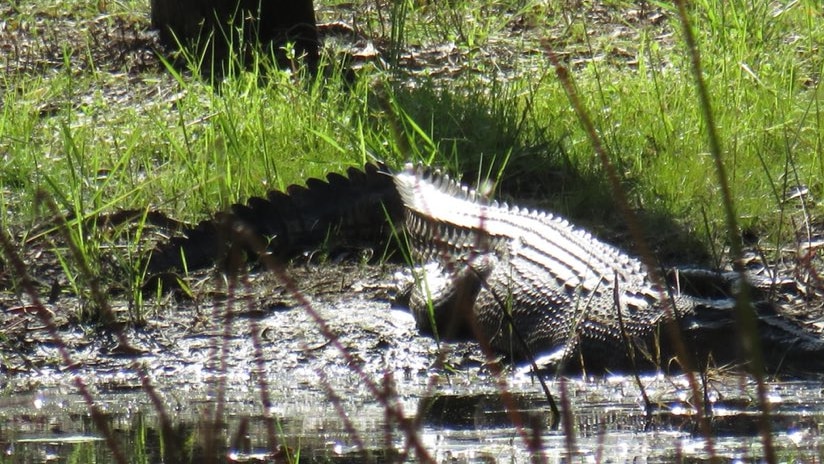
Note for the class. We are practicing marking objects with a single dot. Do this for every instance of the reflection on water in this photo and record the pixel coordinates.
(460, 421)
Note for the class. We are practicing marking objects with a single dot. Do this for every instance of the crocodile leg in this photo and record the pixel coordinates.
(442, 298)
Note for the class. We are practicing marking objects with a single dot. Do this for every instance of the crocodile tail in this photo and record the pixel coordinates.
(353, 210)
(789, 344)
(786, 344)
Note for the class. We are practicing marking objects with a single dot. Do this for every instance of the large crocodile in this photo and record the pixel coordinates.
(523, 281)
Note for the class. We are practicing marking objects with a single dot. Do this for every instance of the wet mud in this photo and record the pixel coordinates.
(329, 370)
(340, 374)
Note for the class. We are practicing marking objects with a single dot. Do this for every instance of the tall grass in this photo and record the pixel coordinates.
(188, 147)
(652, 125)
(206, 146)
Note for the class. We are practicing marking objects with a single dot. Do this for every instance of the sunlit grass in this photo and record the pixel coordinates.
(96, 138)
(172, 141)
(766, 97)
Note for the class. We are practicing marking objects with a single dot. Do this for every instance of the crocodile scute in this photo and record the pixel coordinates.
(525, 283)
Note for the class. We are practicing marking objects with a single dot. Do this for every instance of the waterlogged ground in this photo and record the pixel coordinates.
(329, 397)
(267, 383)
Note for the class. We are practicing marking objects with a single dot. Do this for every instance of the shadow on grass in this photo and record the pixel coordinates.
(489, 134)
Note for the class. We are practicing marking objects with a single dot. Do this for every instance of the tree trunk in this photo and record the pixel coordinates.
(215, 28)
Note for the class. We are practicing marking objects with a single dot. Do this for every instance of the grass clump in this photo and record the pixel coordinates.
(100, 136)
(101, 129)
(164, 139)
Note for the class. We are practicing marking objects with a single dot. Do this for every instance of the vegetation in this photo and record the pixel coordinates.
(101, 134)
(93, 121)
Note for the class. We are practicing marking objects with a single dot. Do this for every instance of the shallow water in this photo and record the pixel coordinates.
(456, 423)
(329, 406)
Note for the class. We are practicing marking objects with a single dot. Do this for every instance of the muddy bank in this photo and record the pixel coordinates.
(327, 398)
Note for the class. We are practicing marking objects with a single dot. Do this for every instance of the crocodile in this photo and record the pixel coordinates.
(526, 283)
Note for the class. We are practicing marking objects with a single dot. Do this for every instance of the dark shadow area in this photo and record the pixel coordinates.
(481, 133)
(221, 31)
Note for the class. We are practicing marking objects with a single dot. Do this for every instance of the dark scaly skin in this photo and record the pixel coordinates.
(492, 264)
(352, 210)
(562, 289)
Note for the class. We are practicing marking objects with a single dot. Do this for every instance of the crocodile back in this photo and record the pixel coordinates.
(559, 282)
(549, 250)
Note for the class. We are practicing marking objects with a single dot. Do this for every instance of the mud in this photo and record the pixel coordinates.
(214, 362)
(258, 374)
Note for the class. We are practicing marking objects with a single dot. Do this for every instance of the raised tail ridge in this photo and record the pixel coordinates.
(356, 209)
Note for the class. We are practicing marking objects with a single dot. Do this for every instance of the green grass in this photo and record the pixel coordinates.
(97, 139)
(767, 106)
(84, 125)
